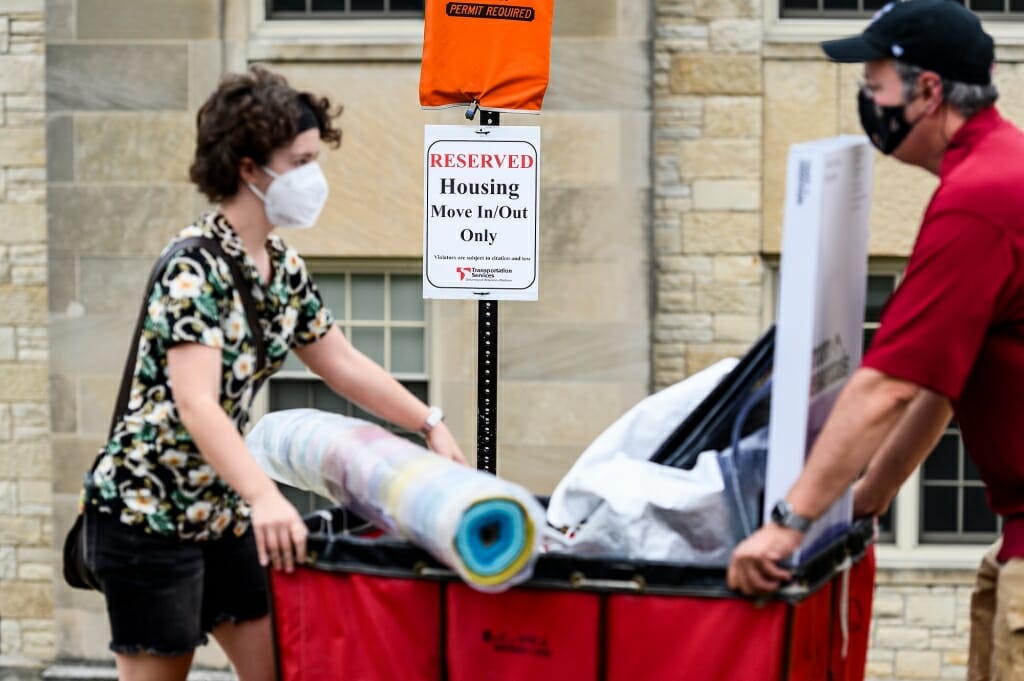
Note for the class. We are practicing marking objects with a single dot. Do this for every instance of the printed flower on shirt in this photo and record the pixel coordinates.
(292, 261)
(173, 458)
(199, 512)
(291, 315)
(186, 285)
(222, 520)
(235, 326)
(319, 325)
(244, 366)
(201, 477)
(140, 500)
(213, 337)
(160, 412)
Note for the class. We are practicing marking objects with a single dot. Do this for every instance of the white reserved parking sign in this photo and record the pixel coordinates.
(481, 221)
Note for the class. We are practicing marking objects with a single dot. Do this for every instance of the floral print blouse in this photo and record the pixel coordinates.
(150, 474)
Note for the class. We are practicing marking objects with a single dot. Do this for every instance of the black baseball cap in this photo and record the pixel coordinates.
(936, 35)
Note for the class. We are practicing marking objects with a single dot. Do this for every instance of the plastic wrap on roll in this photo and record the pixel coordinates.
(486, 529)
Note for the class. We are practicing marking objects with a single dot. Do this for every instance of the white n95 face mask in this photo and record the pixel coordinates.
(296, 198)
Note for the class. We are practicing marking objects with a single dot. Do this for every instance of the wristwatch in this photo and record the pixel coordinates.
(783, 515)
(434, 417)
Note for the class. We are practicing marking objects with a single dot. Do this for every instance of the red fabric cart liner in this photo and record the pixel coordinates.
(357, 627)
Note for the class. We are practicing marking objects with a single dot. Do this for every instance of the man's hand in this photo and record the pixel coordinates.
(753, 568)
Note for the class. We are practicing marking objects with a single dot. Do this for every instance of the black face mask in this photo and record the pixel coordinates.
(886, 126)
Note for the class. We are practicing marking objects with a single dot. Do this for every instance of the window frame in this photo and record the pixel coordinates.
(336, 266)
(779, 32)
(906, 551)
(332, 39)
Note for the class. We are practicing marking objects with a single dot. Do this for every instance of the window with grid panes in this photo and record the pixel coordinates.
(953, 507)
(345, 9)
(840, 9)
(383, 316)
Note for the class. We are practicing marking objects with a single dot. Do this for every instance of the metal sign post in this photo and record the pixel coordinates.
(487, 365)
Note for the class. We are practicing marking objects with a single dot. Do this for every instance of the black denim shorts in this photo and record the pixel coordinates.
(164, 595)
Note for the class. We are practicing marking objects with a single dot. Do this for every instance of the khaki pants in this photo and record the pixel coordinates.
(997, 621)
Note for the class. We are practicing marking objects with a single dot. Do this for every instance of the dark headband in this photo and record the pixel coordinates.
(307, 119)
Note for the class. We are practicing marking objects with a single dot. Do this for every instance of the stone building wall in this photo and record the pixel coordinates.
(26, 531)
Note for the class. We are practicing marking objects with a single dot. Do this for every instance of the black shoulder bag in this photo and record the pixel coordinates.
(76, 568)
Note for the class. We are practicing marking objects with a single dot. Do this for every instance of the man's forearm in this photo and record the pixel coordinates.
(909, 443)
(864, 416)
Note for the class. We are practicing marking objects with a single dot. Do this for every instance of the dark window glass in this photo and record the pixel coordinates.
(328, 5)
(988, 5)
(367, 5)
(944, 461)
(880, 287)
(340, 9)
(977, 515)
(841, 4)
(940, 509)
(865, 8)
(288, 6)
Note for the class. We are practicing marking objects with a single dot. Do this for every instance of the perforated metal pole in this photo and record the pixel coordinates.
(487, 367)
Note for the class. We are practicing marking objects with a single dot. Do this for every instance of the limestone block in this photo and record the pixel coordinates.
(634, 19)
(17, 531)
(733, 117)
(31, 420)
(918, 664)
(117, 220)
(204, 59)
(23, 146)
(112, 285)
(739, 269)
(743, 328)
(20, 224)
(59, 20)
(594, 223)
(5, 422)
(736, 35)
(585, 19)
(73, 456)
(23, 382)
(536, 467)
(589, 292)
(36, 572)
(598, 75)
(33, 343)
(60, 148)
(133, 147)
(902, 637)
(146, 20)
(727, 195)
(8, 349)
(27, 26)
(96, 397)
(21, 74)
(574, 352)
(714, 9)
(713, 74)
(149, 77)
(676, 301)
(800, 105)
(878, 669)
(717, 158)
(25, 460)
(900, 197)
(729, 298)
(91, 344)
(721, 232)
(570, 163)
(563, 414)
(25, 599)
(10, 637)
(83, 632)
(887, 605)
(931, 611)
(8, 497)
(8, 563)
(950, 643)
(701, 356)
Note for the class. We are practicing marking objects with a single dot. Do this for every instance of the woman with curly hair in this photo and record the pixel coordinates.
(179, 516)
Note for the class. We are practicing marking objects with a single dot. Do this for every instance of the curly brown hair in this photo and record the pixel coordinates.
(250, 115)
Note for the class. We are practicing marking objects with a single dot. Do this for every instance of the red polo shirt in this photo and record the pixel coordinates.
(956, 322)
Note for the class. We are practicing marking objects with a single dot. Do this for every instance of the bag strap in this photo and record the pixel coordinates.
(241, 285)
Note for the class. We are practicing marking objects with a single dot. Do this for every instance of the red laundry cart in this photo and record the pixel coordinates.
(373, 609)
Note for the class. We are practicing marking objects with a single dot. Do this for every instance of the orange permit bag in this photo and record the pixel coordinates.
(494, 52)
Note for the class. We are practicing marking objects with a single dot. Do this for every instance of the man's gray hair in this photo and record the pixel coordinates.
(966, 98)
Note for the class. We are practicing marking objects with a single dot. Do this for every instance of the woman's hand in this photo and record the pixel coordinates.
(280, 532)
(441, 442)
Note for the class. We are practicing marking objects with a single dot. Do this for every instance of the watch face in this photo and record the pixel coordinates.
(779, 512)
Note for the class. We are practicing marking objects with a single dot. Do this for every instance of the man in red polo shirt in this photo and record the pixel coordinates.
(952, 336)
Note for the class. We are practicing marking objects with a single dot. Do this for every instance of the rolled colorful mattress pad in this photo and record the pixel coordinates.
(486, 529)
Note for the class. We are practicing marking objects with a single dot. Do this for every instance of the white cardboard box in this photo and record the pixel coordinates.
(821, 308)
